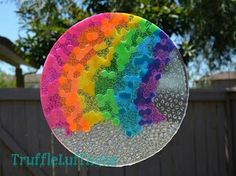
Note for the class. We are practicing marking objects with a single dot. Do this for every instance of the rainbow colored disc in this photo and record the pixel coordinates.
(114, 89)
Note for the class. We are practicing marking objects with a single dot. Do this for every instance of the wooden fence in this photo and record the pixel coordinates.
(204, 146)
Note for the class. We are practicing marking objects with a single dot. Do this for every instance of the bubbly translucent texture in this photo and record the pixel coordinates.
(107, 141)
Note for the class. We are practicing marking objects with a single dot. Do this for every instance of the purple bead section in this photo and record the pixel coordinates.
(147, 89)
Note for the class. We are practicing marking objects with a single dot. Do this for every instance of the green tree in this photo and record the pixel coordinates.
(7, 81)
(44, 22)
(205, 27)
(212, 31)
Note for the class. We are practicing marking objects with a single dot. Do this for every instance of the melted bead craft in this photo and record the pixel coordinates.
(114, 76)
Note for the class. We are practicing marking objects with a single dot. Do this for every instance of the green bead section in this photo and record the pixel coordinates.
(107, 77)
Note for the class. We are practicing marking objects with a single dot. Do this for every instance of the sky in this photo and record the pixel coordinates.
(10, 28)
(9, 25)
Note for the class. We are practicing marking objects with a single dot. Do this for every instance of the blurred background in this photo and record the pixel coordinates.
(203, 30)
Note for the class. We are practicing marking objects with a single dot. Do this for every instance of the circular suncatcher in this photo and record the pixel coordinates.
(114, 89)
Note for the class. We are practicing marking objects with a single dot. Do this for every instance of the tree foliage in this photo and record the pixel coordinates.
(44, 22)
(212, 29)
(7, 81)
(205, 27)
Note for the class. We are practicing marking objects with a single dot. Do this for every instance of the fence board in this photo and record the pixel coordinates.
(32, 121)
(7, 117)
(183, 146)
(154, 165)
(200, 140)
(131, 170)
(167, 162)
(211, 141)
(44, 138)
(220, 114)
(20, 129)
(94, 171)
(85, 172)
(106, 171)
(232, 106)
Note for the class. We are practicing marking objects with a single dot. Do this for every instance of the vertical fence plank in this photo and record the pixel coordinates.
(167, 162)
(231, 112)
(20, 126)
(84, 171)
(32, 121)
(94, 171)
(131, 170)
(44, 137)
(151, 166)
(106, 171)
(7, 116)
(212, 143)
(183, 146)
(220, 117)
(200, 139)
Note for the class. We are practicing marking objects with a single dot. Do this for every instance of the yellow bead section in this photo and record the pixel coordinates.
(77, 81)
(86, 82)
